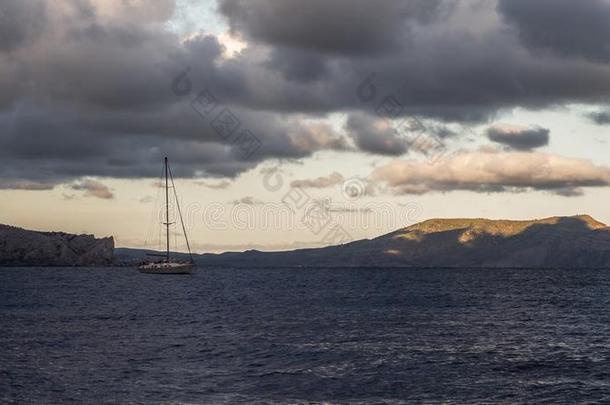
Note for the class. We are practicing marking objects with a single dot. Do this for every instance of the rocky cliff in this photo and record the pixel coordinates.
(573, 242)
(20, 247)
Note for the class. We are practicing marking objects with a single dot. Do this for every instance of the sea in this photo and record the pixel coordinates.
(301, 336)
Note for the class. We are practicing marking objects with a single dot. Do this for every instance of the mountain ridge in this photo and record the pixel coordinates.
(576, 241)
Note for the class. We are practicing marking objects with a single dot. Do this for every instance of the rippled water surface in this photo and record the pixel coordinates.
(294, 336)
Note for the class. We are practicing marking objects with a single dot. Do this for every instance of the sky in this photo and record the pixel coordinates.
(294, 124)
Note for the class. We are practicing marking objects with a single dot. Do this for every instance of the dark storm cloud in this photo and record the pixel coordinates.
(297, 65)
(374, 135)
(519, 138)
(454, 76)
(119, 67)
(338, 26)
(566, 27)
(20, 22)
(85, 85)
(64, 144)
(101, 105)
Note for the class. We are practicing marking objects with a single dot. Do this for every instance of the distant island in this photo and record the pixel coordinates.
(21, 247)
(568, 242)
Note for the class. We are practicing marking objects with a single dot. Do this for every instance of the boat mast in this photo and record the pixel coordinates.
(188, 245)
(166, 212)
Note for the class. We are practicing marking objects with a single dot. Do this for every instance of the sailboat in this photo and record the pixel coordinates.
(168, 265)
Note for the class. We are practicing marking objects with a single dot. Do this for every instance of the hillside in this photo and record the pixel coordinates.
(21, 247)
(575, 242)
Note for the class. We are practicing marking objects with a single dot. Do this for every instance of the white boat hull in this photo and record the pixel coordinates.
(167, 268)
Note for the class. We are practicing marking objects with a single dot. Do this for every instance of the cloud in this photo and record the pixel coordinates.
(146, 199)
(314, 136)
(215, 186)
(70, 144)
(374, 135)
(600, 117)
(331, 180)
(248, 200)
(93, 188)
(563, 27)
(517, 137)
(341, 209)
(493, 171)
(341, 26)
(302, 70)
(20, 22)
(139, 11)
(569, 192)
(25, 185)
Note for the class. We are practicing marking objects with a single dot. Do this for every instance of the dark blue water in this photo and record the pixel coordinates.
(288, 336)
